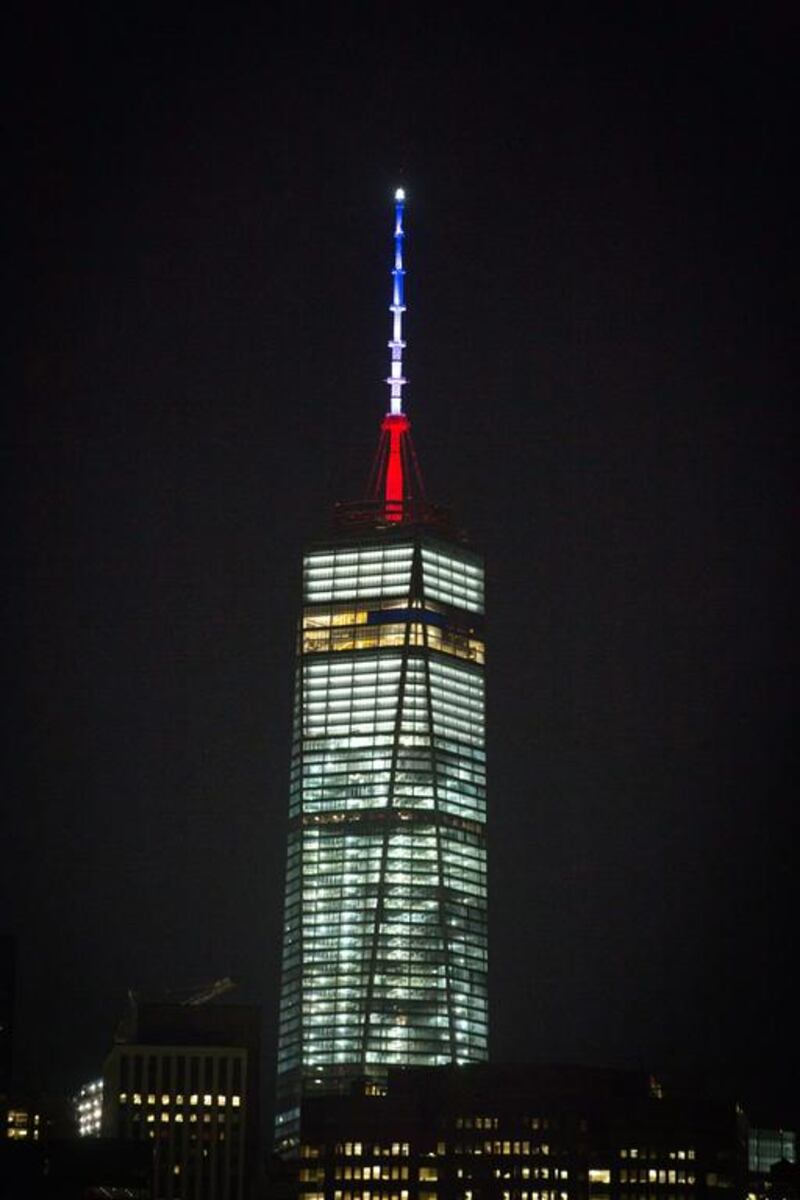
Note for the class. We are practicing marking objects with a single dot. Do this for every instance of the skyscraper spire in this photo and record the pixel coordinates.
(396, 481)
(396, 380)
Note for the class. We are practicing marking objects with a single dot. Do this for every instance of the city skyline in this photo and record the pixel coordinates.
(599, 351)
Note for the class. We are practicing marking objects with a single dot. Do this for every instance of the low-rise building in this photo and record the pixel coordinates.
(187, 1081)
(519, 1133)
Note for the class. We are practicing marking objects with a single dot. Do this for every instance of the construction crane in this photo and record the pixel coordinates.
(200, 994)
(209, 991)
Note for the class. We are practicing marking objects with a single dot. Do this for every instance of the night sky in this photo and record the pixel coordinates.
(599, 331)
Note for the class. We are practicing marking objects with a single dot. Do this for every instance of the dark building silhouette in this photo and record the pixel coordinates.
(75, 1169)
(8, 956)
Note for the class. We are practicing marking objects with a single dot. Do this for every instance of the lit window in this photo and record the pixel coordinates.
(237, 1100)
(222, 1101)
(207, 1100)
(599, 1175)
(151, 1099)
(165, 1099)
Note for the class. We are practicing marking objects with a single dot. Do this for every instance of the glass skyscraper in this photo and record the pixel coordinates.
(385, 954)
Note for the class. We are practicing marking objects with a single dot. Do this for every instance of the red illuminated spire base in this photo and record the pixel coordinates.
(396, 483)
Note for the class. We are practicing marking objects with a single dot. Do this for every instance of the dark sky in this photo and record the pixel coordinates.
(599, 342)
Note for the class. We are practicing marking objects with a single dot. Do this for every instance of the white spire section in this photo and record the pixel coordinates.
(397, 380)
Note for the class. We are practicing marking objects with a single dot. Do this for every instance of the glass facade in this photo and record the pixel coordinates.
(766, 1147)
(191, 1103)
(385, 951)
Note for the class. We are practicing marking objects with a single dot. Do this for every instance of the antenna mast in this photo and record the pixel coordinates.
(396, 380)
(395, 469)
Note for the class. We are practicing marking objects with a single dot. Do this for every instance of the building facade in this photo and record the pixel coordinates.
(87, 1108)
(385, 952)
(185, 1081)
